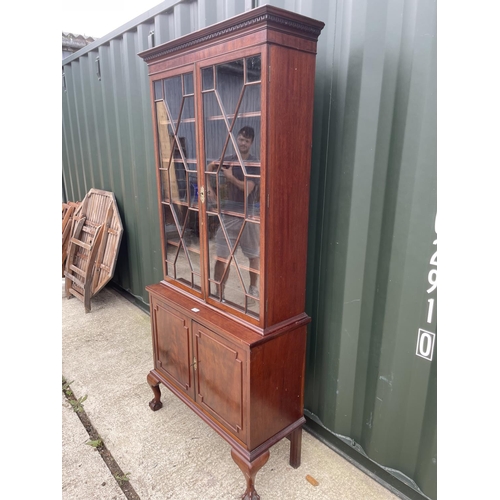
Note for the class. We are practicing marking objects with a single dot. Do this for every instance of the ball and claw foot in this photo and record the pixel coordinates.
(253, 495)
(250, 470)
(155, 405)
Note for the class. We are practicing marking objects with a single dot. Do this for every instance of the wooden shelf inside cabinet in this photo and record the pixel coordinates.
(232, 112)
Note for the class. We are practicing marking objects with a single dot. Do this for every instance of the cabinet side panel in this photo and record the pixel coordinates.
(290, 101)
(277, 385)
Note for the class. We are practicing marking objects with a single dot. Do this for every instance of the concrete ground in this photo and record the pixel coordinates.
(171, 453)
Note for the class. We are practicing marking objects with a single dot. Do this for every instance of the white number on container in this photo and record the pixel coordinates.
(425, 344)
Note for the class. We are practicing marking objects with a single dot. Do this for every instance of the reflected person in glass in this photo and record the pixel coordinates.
(234, 201)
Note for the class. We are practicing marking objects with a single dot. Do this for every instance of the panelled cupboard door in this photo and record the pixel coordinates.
(172, 346)
(220, 379)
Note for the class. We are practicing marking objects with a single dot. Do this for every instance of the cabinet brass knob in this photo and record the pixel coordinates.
(194, 363)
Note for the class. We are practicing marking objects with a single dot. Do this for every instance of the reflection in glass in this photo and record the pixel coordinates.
(173, 97)
(178, 183)
(253, 69)
(188, 84)
(193, 189)
(191, 235)
(183, 243)
(164, 185)
(251, 100)
(158, 92)
(182, 268)
(232, 145)
(215, 127)
(229, 85)
(207, 77)
(163, 134)
(188, 108)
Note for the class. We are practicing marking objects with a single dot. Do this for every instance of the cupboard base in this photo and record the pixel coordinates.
(249, 462)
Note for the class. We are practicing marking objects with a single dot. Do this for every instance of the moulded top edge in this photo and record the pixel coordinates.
(267, 15)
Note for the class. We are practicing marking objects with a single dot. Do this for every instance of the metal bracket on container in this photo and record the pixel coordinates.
(98, 68)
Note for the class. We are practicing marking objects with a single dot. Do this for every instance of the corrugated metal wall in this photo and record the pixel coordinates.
(372, 234)
(372, 265)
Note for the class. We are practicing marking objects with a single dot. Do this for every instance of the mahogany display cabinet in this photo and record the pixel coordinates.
(232, 109)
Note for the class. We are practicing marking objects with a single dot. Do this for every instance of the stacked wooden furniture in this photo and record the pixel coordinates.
(233, 103)
(93, 247)
(68, 210)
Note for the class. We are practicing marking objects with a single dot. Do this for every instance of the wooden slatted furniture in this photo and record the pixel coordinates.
(93, 247)
(232, 109)
(68, 210)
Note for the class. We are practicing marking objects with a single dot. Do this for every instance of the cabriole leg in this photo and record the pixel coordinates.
(155, 404)
(250, 470)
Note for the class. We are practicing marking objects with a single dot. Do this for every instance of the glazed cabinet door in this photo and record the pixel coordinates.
(174, 108)
(220, 379)
(209, 130)
(172, 346)
(231, 122)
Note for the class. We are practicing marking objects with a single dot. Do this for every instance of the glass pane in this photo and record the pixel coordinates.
(186, 134)
(178, 183)
(253, 200)
(158, 92)
(182, 268)
(251, 100)
(193, 189)
(188, 108)
(231, 195)
(197, 282)
(211, 190)
(180, 214)
(164, 138)
(187, 259)
(253, 68)
(173, 97)
(191, 238)
(164, 185)
(234, 252)
(215, 128)
(188, 84)
(247, 260)
(207, 78)
(186, 138)
(172, 238)
(170, 226)
(249, 127)
(229, 85)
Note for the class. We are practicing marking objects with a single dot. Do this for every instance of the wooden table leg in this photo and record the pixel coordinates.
(155, 404)
(295, 447)
(250, 470)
